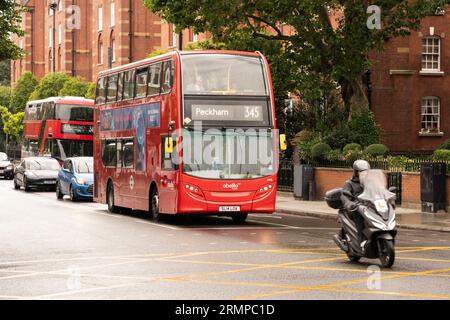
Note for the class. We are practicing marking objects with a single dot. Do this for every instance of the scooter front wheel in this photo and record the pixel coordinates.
(386, 252)
(353, 258)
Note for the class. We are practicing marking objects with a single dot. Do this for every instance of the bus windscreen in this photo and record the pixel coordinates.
(74, 112)
(223, 74)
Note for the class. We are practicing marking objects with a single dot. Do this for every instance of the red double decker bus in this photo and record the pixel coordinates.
(187, 133)
(58, 127)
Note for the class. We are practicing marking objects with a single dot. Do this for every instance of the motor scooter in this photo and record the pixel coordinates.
(375, 208)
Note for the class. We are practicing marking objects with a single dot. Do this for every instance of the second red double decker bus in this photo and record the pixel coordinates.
(187, 133)
(58, 127)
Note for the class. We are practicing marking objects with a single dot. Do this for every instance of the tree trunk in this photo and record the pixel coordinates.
(354, 95)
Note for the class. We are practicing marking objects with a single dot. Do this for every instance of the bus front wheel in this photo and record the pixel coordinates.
(110, 198)
(154, 205)
(239, 218)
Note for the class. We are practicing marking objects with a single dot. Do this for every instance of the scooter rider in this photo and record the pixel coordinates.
(353, 187)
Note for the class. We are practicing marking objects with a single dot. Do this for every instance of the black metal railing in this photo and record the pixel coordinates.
(286, 176)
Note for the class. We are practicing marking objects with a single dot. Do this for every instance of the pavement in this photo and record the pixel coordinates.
(406, 218)
(57, 249)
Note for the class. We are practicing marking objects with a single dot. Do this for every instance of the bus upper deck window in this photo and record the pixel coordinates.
(168, 74)
(112, 89)
(128, 84)
(100, 96)
(141, 83)
(154, 75)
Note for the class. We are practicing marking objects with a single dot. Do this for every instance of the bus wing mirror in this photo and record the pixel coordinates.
(168, 145)
(283, 142)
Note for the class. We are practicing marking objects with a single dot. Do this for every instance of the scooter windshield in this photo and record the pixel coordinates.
(374, 183)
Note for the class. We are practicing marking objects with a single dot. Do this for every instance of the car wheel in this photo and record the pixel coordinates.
(25, 185)
(59, 194)
(110, 199)
(16, 186)
(73, 197)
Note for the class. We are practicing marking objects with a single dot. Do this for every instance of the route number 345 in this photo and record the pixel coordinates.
(252, 112)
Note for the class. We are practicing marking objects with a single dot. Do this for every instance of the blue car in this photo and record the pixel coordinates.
(76, 178)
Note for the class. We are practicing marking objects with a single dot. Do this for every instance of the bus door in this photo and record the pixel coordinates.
(168, 183)
(127, 175)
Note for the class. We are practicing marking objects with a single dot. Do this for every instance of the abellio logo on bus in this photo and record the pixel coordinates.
(232, 186)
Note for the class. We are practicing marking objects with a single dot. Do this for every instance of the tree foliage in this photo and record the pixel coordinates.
(10, 19)
(21, 93)
(50, 86)
(5, 96)
(329, 43)
(5, 73)
(11, 124)
(74, 86)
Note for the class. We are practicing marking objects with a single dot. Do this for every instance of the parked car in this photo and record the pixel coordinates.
(76, 178)
(36, 172)
(6, 166)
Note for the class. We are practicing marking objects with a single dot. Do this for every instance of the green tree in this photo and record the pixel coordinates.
(90, 93)
(5, 73)
(14, 125)
(322, 52)
(21, 93)
(5, 96)
(10, 19)
(74, 86)
(50, 86)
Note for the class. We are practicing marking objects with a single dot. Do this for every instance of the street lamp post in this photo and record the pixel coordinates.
(53, 7)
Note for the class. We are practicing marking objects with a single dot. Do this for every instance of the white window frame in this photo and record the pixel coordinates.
(429, 54)
(100, 18)
(102, 52)
(113, 14)
(59, 34)
(174, 37)
(60, 5)
(427, 112)
(113, 48)
(50, 37)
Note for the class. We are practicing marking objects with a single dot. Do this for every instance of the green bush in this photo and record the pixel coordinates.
(351, 147)
(304, 141)
(376, 150)
(362, 124)
(320, 151)
(441, 155)
(340, 138)
(334, 155)
(50, 86)
(445, 145)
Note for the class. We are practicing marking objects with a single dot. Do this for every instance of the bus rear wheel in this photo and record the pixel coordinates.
(154, 205)
(239, 218)
(110, 199)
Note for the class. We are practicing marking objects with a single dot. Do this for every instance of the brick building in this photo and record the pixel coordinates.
(83, 37)
(411, 87)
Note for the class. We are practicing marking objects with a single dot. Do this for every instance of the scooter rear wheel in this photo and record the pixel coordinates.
(386, 253)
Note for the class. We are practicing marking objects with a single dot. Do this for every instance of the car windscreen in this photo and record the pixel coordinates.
(3, 156)
(43, 164)
(85, 166)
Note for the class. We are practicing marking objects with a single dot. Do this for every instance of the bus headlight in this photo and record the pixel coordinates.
(264, 189)
(193, 189)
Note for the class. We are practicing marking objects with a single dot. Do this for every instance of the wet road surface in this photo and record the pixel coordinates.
(52, 249)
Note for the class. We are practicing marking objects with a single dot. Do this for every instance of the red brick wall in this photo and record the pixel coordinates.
(396, 98)
(330, 178)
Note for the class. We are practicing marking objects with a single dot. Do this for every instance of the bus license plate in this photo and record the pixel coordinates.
(229, 208)
(49, 182)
